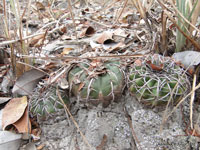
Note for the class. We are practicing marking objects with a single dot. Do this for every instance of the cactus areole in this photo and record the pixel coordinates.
(156, 79)
(96, 81)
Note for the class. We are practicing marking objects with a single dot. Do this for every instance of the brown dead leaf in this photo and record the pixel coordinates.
(120, 32)
(36, 39)
(13, 111)
(110, 47)
(66, 50)
(40, 6)
(107, 35)
(20, 69)
(155, 67)
(89, 31)
(23, 125)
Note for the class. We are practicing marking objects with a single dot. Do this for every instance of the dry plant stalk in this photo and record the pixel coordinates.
(13, 58)
(72, 15)
(194, 17)
(164, 31)
(73, 120)
(192, 101)
(125, 3)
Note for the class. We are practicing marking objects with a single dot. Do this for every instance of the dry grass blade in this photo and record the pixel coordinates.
(72, 118)
(13, 58)
(188, 37)
(72, 15)
(192, 101)
(142, 11)
(165, 7)
(197, 87)
(164, 32)
(131, 127)
(125, 3)
(140, 8)
(195, 15)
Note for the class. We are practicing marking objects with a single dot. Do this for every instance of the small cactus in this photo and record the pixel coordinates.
(45, 101)
(97, 81)
(153, 80)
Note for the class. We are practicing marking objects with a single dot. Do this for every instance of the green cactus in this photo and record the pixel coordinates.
(97, 81)
(153, 80)
(45, 101)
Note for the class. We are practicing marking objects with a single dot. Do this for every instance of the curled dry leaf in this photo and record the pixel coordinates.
(89, 31)
(23, 125)
(107, 35)
(36, 40)
(27, 82)
(113, 46)
(155, 66)
(13, 111)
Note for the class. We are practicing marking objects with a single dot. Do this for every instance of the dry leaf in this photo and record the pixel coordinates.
(104, 37)
(27, 82)
(13, 111)
(155, 67)
(66, 37)
(66, 50)
(187, 58)
(113, 46)
(20, 68)
(89, 31)
(40, 6)
(23, 125)
(36, 39)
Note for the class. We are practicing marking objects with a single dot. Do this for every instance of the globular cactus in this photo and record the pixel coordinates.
(45, 101)
(96, 81)
(154, 79)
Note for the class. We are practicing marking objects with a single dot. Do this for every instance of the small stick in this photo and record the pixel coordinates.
(75, 123)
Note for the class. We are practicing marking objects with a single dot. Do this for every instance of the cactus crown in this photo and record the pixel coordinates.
(45, 101)
(96, 81)
(154, 79)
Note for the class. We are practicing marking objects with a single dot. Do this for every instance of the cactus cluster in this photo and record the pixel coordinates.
(156, 79)
(153, 80)
(45, 101)
(97, 81)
